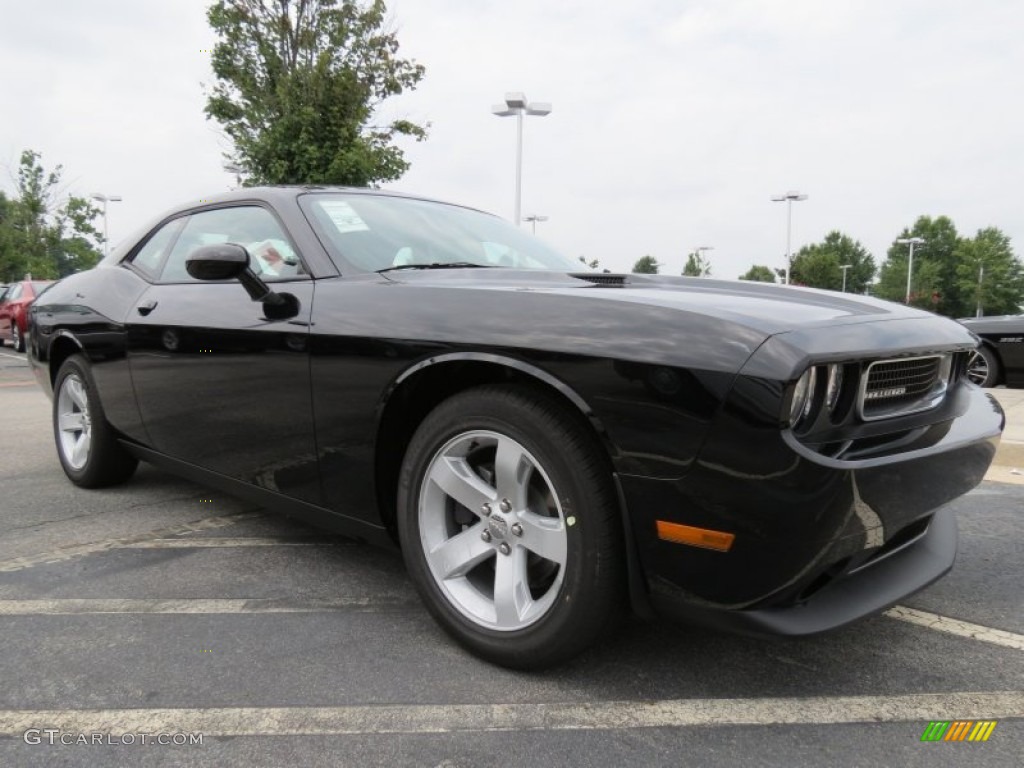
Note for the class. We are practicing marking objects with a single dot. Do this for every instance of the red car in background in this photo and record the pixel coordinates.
(14, 310)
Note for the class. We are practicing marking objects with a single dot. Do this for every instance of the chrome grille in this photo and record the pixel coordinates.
(897, 387)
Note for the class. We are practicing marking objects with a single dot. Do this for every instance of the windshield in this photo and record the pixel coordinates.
(375, 232)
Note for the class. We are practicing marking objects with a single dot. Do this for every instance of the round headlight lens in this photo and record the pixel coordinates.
(834, 387)
(802, 401)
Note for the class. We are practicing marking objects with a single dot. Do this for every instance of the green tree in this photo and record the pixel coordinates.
(820, 265)
(935, 284)
(697, 266)
(42, 233)
(298, 85)
(646, 265)
(759, 273)
(989, 276)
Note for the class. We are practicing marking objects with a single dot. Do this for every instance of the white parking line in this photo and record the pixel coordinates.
(92, 606)
(453, 718)
(227, 543)
(14, 357)
(78, 550)
(957, 627)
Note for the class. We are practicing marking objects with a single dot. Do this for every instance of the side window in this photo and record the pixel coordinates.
(272, 255)
(148, 257)
(15, 292)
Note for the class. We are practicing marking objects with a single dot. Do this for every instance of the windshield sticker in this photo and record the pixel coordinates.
(343, 216)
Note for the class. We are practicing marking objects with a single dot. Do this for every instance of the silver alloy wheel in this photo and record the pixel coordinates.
(15, 336)
(74, 422)
(977, 368)
(492, 530)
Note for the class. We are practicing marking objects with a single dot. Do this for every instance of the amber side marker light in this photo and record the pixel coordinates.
(695, 537)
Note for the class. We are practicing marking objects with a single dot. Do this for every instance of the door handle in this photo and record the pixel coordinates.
(146, 307)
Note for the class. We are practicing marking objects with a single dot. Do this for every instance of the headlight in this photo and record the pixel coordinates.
(803, 396)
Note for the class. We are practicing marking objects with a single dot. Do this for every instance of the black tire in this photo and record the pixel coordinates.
(983, 368)
(103, 462)
(17, 340)
(566, 482)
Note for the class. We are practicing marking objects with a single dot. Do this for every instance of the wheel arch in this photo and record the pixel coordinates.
(60, 349)
(423, 386)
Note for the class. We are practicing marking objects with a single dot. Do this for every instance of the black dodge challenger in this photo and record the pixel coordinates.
(1000, 356)
(548, 446)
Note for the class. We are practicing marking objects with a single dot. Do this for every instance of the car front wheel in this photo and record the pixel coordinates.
(86, 445)
(17, 340)
(510, 528)
(983, 368)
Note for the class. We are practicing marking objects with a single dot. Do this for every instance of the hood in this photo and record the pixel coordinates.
(763, 307)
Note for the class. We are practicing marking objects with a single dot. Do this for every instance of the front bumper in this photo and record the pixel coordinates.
(818, 542)
(846, 596)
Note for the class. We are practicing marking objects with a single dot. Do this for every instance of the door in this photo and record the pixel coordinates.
(218, 383)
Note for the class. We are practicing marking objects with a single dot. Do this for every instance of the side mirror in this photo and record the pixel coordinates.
(223, 261)
(229, 261)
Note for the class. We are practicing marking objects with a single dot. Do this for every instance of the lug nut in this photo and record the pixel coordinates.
(505, 548)
(517, 529)
(506, 505)
(486, 535)
(486, 509)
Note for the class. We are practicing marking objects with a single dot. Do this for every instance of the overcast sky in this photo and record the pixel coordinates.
(674, 121)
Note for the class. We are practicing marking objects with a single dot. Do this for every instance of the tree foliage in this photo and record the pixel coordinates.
(759, 273)
(646, 265)
(820, 265)
(593, 263)
(933, 283)
(697, 265)
(43, 233)
(947, 268)
(298, 85)
(989, 277)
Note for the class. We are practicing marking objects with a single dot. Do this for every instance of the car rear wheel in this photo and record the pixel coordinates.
(983, 368)
(86, 445)
(17, 340)
(510, 528)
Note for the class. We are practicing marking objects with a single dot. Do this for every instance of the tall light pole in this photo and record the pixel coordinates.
(911, 241)
(981, 276)
(699, 250)
(789, 198)
(105, 199)
(236, 170)
(533, 218)
(844, 268)
(516, 104)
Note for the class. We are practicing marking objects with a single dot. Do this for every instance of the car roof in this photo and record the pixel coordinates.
(274, 194)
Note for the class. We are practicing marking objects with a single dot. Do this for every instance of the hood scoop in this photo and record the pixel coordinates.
(608, 281)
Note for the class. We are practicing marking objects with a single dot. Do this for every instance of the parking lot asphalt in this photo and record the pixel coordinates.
(162, 607)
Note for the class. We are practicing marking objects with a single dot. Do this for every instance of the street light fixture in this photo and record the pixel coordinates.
(789, 198)
(533, 219)
(105, 199)
(911, 241)
(845, 267)
(517, 105)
